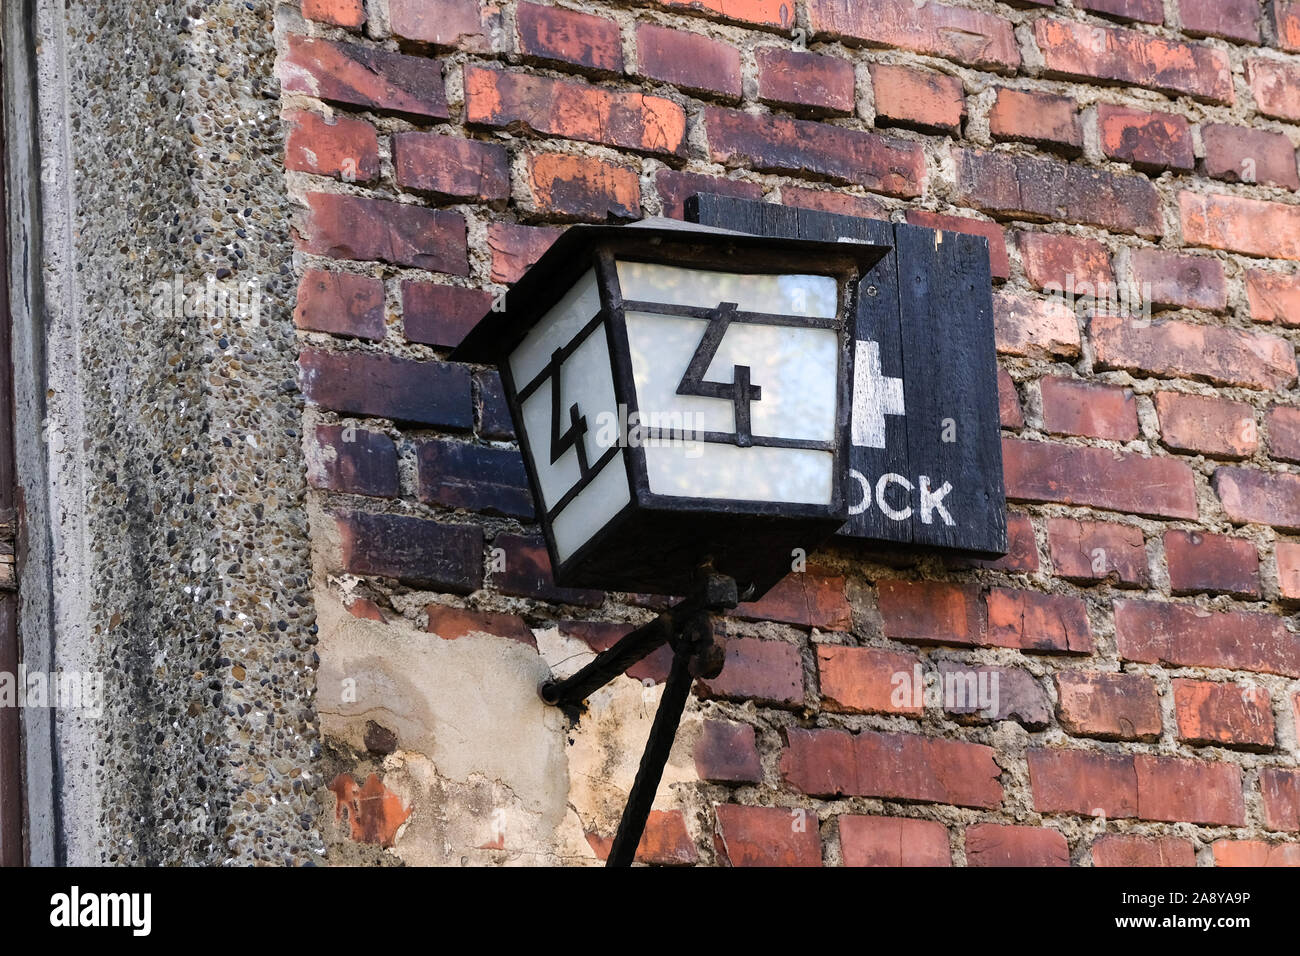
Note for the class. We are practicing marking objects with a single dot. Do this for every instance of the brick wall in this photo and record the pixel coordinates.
(1142, 628)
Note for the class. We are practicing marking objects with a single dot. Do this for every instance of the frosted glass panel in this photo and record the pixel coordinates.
(591, 510)
(556, 329)
(708, 470)
(814, 296)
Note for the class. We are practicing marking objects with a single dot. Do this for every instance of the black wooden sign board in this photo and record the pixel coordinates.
(927, 453)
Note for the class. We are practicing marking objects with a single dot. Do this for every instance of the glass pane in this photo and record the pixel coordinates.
(557, 328)
(602, 499)
(815, 296)
(713, 470)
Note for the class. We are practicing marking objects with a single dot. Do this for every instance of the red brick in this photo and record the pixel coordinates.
(1150, 141)
(999, 263)
(993, 844)
(781, 144)
(1144, 11)
(1174, 349)
(1275, 84)
(574, 109)
(580, 187)
(441, 557)
(1077, 407)
(452, 623)
(1098, 477)
(1177, 790)
(449, 23)
(353, 460)
(1084, 782)
(1094, 550)
(1286, 18)
(1273, 297)
(602, 635)
(1203, 425)
(373, 812)
(481, 478)
(1251, 226)
(1016, 186)
(1022, 549)
(342, 13)
(767, 836)
(893, 841)
(1255, 853)
(690, 61)
(1032, 621)
(515, 248)
(727, 752)
(1108, 705)
(1283, 423)
(894, 766)
(769, 13)
(1009, 412)
(1168, 279)
(341, 303)
(363, 76)
(344, 147)
(1288, 575)
(1227, 714)
(930, 612)
(493, 415)
(918, 99)
(441, 314)
(553, 34)
(860, 680)
(1256, 497)
(826, 200)
(1280, 788)
(1035, 327)
(1202, 563)
(811, 598)
(807, 82)
(1230, 19)
(953, 33)
(764, 671)
(1043, 119)
(664, 842)
(1117, 849)
(1064, 262)
(385, 386)
(527, 573)
(1077, 50)
(1237, 154)
(1183, 635)
(355, 227)
(1018, 696)
(675, 187)
(448, 167)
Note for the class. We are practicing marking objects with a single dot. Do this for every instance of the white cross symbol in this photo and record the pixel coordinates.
(874, 396)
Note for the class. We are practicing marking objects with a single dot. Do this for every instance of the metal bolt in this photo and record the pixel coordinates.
(872, 291)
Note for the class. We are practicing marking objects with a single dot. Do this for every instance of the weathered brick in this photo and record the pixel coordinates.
(769, 13)
(342, 13)
(675, 187)
(1017, 694)
(767, 836)
(1009, 411)
(557, 35)
(893, 841)
(1252, 226)
(1064, 262)
(1108, 705)
(1288, 576)
(1033, 621)
(1283, 423)
(441, 315)
(452, 623)
(449, 23)
(1238, 154)
(341, 303)
(353, 460)
(690, 61)
(1043, 119)
(1203, 425)
(894, 766)
(1016, 186)
(781, 144)
(1143, 11)
(1085, 782)
(995, 844)
(442, 557)
(355, 227)
(574, 109)
(860, 680)
(1227, 714)
(492, 413)
(1280, 788)
(1230, 19)
(1122, 849)
(1150, 141)
(526, 572)
(363, 76)
(1203, 563)
(999, 262)
(954, 33)
(1177, 790)
(475, 477)
(1094, 550)
(812, 598)
(664, 841)
(1077, 407)
(930, 612)
(1035, 327)
(1183, 635)
(385, 386)
(342, 146)
(374, 813)
(1286, 19)
(515, 248)
(1273, 297)
(765, 671)
(727, 752)
(1255, 853)
(449, 167)
(1098, 477)
(1169, 279)
(581, 187)
(602, 635)
(1256, 497)
(918, 99)
(1077, 50)
(1175, 349)
(1275, 84)
(1022, 549)
(808, 82)
(829, 200)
